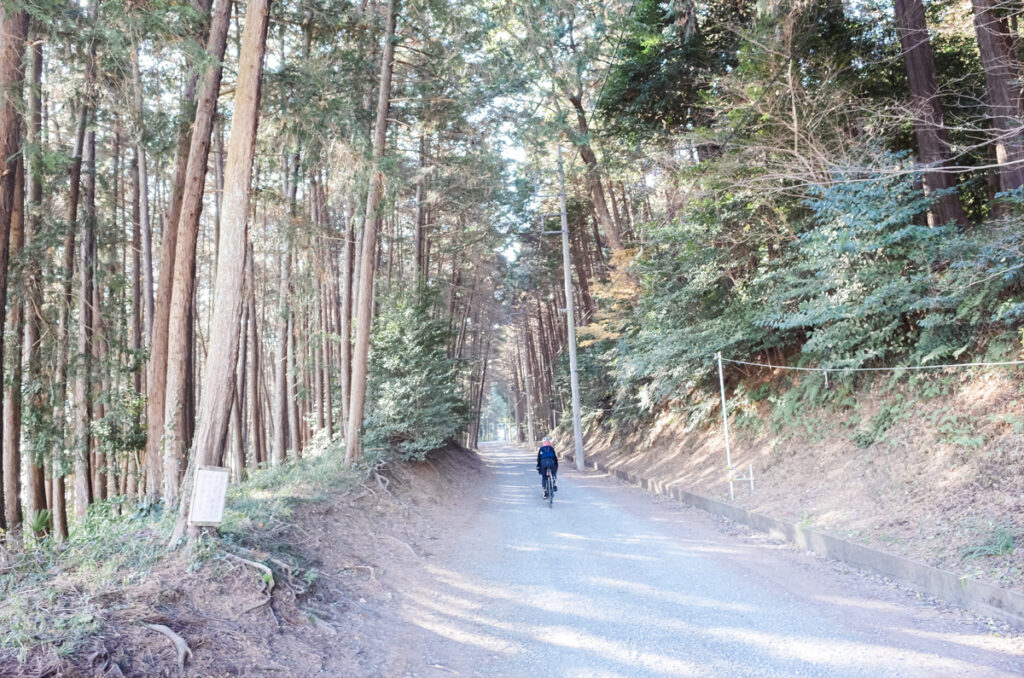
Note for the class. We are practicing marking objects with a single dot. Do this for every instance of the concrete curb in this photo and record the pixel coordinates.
(985, 599)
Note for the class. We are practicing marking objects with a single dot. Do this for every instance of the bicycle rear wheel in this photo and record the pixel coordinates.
(549, 487)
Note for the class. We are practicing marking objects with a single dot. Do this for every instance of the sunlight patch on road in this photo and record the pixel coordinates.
(658, 664)
(979, 641)
(838, 653)
(864, 604)
(543, 599)
(464, 636)
(640, 589)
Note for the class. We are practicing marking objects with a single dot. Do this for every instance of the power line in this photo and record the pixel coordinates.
(875, 369)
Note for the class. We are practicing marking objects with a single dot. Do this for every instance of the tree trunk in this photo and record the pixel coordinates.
(345, 320)
(325, 352)
(281, 427)
(176, 435)
(60, 522)
(586, 306)
(929, 125)
(365, 301)
(34, 294)
(292, 376)
(608, 225)
(142, 179)
(138, 309)
(515, 398)
(13, 33)
(98, 378)
(83, 368)
(222, 357)
(315, 347)
(1002, 90)
(60, 505)
(480, 391)
(421, 212)
(156, 368)
(12, 358)
(237, 458)
(254, 380)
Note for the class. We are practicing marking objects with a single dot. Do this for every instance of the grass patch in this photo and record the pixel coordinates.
(879, 424)
(257, 510)
(1000, 541)
(48, 589)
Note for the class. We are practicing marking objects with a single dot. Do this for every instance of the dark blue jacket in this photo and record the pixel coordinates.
(546, 457)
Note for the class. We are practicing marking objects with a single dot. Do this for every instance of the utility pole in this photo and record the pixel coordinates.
(570, 319)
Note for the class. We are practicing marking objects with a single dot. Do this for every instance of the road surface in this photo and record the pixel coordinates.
(614, 583)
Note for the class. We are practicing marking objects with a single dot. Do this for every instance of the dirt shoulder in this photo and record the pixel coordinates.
(934, 474)
(335, 562)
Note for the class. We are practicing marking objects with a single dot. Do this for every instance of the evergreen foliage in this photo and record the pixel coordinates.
(864, 282)
(414, 400)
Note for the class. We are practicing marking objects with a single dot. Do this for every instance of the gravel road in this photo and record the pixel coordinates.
(612, 582)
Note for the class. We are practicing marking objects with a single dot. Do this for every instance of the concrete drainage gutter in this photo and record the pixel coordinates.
(984, 599)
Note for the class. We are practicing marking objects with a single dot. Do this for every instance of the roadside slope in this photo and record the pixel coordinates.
(335, 557)
(931, 469)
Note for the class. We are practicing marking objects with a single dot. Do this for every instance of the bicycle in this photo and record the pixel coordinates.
(549, 487)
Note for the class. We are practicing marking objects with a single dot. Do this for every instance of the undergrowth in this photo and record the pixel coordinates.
(46, 587)
(52, 593)
(271, 495)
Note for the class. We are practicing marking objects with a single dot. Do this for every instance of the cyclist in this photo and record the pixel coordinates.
(547, 459)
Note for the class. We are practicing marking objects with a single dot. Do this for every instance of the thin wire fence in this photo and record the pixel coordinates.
(897, 368)
(731, 471)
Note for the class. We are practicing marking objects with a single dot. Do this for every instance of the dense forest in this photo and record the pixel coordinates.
(231, 230)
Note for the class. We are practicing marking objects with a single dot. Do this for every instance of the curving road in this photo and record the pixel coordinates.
(613, 583)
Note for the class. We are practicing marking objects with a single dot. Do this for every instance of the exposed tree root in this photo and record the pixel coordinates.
(179, 643)
(411, 549)
(285, 567)
(268, 579)
(257, 605)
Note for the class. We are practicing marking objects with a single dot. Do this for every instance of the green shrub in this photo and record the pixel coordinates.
(860, 280)
(413, 401)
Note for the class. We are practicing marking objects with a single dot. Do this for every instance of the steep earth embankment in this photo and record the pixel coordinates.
(932, 470)
(335, 561)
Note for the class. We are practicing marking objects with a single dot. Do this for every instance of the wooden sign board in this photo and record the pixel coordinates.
(211, 486)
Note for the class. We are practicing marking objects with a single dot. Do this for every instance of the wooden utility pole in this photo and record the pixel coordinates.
(570, 316)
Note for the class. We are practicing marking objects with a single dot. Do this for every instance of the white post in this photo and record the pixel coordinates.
(570, 320)
(725, 426)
